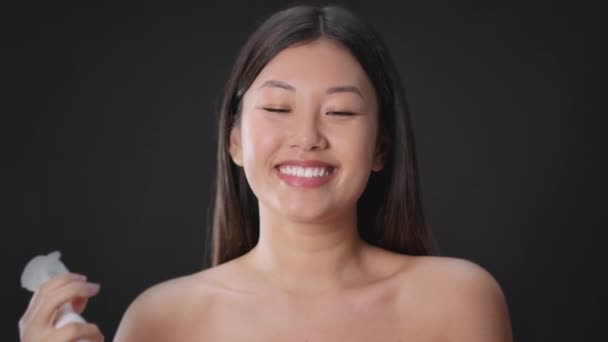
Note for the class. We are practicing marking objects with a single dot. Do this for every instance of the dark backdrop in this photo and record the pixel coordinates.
(108, 144)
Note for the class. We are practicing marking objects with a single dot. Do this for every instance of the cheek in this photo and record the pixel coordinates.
(260, 140)
(356, 143)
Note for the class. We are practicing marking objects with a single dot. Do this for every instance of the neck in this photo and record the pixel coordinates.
(308, 257)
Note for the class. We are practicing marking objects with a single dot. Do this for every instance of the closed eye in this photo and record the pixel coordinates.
(342, 113)
(276, 110)
(281, 110)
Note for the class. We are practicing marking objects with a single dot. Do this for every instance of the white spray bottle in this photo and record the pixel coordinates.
(42, 268)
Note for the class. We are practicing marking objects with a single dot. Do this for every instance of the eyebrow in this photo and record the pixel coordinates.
(332, 90)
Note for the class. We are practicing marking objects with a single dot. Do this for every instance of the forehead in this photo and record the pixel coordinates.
(314, 65)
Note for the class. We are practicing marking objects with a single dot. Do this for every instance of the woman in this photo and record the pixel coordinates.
(318, 230)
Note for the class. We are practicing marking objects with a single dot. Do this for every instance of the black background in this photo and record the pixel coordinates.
(108, 144)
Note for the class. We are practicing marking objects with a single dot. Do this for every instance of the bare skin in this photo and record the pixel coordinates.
(402, 298)
(310, 277)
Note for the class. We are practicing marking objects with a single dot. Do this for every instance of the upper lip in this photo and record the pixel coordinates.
(306, 163)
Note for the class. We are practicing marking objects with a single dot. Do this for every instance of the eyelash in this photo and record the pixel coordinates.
(278, 110)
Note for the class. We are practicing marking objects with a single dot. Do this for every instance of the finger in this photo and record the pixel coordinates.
(48, 286)
(62, 295)
(79, 304)
(75, 331)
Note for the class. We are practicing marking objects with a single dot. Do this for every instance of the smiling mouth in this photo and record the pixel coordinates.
(305, 172)
(301, 177)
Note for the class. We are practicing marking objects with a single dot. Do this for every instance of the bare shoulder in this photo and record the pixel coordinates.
(160, 312)
(473, 305)
(456, 274)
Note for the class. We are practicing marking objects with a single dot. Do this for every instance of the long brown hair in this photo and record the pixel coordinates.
(389, 213)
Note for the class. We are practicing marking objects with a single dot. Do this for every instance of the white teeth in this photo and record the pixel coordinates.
(306, 172)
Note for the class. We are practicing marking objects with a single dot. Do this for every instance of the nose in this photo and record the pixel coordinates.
(308, 134)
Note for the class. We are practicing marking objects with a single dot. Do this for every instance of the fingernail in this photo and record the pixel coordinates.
(93, 287)
(80, 276)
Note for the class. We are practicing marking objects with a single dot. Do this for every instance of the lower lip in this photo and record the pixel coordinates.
(306, 182)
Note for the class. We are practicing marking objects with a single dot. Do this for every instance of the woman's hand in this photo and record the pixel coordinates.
(37, 323)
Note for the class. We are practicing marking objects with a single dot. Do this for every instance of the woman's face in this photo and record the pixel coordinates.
(314, 104)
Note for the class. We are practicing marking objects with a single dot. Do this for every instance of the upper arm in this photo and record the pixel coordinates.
(477, 308)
